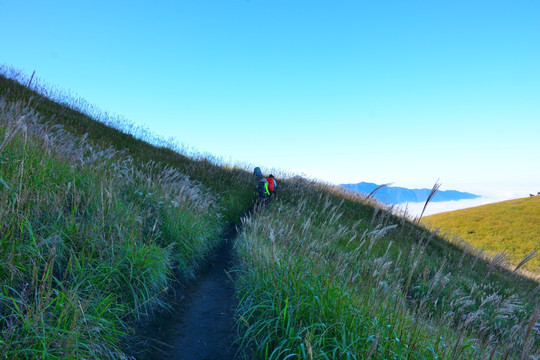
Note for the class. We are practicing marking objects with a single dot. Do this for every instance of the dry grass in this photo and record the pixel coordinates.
(511, 226)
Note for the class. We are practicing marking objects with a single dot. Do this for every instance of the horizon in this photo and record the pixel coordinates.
(414, 209)
(385, 93)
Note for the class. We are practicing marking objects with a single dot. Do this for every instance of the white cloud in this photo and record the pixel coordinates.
(414, 209)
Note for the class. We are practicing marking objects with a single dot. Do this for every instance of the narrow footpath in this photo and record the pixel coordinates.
(201, 323)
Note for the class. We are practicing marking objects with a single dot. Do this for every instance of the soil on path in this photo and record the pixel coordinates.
(201, 323)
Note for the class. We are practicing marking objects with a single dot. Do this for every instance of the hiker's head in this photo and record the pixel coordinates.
(272, 176)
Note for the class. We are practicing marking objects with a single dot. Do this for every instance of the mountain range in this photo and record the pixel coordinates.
(396, 195)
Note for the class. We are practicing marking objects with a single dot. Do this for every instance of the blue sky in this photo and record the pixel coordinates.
(403, 92)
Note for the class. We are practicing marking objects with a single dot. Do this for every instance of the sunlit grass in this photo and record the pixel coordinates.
(324, 276)
(95, 225)
(512, 226)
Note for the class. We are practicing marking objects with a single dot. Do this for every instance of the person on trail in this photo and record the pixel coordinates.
(262, 189)
(272, 184)
(266, 185)
(262, 185)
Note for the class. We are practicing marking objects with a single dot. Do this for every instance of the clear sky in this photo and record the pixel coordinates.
(402, 92)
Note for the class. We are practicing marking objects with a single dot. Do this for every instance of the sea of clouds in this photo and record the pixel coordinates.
(414, 209)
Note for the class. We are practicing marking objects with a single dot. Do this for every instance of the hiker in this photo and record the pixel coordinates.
(266, 185)
(262, 185)
(272, 184)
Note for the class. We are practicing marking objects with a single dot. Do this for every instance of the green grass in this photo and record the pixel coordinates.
(322, 275)
(83, 242)
(510, 226)
(232, 185)
(98, 218)
(95, 225)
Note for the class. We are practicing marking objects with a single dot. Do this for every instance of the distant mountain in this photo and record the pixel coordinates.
(396, 195)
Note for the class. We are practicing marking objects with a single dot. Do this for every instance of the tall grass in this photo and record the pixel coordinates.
(325, 276)
(90, 237)
(230, 183)
(95, 221)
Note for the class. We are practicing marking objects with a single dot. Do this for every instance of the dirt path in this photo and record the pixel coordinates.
(201, 324)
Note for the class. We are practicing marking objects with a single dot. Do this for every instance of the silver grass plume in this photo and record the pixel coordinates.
(527, 258)
(434, 190)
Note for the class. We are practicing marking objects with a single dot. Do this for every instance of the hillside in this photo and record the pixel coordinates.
(512, 226)
(397, 195)
(97, 224)
(324, 273)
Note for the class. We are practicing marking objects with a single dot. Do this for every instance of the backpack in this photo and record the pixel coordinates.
(261, 186)
(271, 184)
(257, 172)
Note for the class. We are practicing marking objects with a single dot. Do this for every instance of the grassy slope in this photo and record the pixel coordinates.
(93, 226)
(321, 275)
(512, 226)
(327, 276)
(80, 118)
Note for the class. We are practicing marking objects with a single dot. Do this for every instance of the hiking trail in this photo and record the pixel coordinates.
(200, 324)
